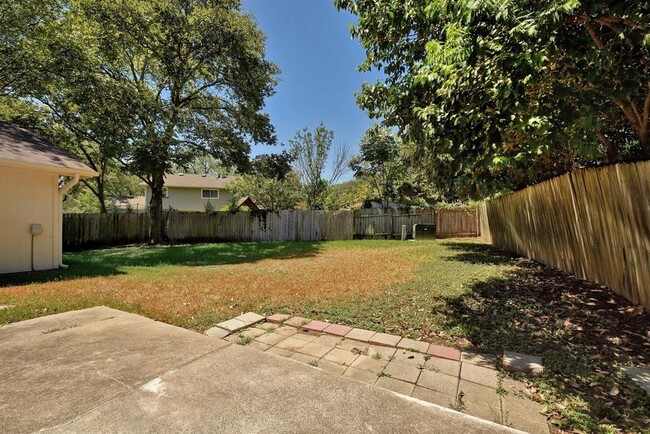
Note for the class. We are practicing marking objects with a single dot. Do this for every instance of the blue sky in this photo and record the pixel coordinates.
(310, 42)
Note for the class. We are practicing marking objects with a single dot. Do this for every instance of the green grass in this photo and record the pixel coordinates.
(456, 293)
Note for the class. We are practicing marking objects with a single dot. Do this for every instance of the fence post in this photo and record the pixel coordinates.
(403, 232)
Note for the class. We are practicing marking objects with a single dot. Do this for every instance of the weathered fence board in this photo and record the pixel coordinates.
(457, 222)
(387, 223)
(88, 230)
(593, 223)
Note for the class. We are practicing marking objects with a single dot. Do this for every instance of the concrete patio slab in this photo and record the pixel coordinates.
(338, 355)
(101, 370)
(232, 325)
(439, 382)
(433, 396)
(361, 375)
(395, 385)
(444, 366)
(370, 364)
(517, 362)
(217, 332)
(480, 359)
(250, 318)
(384, 339)
(278, 318)
(315, 325)
(53, 372)
(271, 338)
(640, 376)
(360, 335)
(296, 321)
(338, 330)
(411, 344)
(402, 372)
(479, 374)
(409, 358)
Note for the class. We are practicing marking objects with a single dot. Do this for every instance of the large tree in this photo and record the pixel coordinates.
(25, 27)
(379, 163)
(311, 152)
(191, 72)
(499, 94)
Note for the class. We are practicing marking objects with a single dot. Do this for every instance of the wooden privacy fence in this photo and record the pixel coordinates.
(271, 226)
(593, 223)
(457, 222)
(88, 230)
(387, 223)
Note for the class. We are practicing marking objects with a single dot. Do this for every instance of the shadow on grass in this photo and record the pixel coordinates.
(583, 332)
(116, 261)
(478, 253)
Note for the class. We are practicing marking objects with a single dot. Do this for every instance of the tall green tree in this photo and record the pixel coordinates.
(311, 151)
(24, 31)
(191, 76)
(379, 163)
(270, 194)
(500, 94)
(276, 166)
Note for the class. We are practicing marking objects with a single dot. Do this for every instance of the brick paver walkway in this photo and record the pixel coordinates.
(444, 376)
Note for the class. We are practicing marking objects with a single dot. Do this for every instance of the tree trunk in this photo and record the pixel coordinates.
(612, 150)
(101, 195)
(156, 210)
(644, 139)
(98, 190)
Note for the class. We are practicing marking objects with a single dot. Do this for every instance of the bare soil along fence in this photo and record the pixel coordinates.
(594, 223)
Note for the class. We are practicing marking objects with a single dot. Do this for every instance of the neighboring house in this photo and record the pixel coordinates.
(31, 199)
(185, 192)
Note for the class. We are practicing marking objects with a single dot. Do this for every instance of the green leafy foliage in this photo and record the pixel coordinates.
(270, 194)
(378, 163)
(276, 166)
(310, 151)
(347, 195)
(501, 94)
(151, 84)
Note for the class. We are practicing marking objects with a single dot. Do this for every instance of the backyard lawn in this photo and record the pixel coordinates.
(454, 292)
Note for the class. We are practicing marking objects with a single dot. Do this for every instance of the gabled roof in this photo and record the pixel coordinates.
(247, 201)
(197, 181)
(23, 148)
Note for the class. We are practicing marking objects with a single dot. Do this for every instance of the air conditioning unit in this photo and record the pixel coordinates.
(424, 231)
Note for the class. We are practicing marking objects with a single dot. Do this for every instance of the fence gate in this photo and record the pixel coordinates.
(387, 223)
(461, 222)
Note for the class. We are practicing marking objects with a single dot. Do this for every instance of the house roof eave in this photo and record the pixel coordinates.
(62, 171)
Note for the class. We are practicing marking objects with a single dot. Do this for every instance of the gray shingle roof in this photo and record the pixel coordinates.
(197, 181)
(23, 146)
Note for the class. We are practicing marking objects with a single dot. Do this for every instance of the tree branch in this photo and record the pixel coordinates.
(612, 149)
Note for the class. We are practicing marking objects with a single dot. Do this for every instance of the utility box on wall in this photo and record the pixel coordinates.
(424, 231)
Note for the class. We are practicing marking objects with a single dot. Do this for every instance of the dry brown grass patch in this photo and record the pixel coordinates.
(182, 292)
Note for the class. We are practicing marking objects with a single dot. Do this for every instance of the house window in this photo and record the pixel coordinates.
(165, 192)
(210, 194)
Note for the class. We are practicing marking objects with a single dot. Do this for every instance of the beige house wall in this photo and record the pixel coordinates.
(189, 199)
(29, 196)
